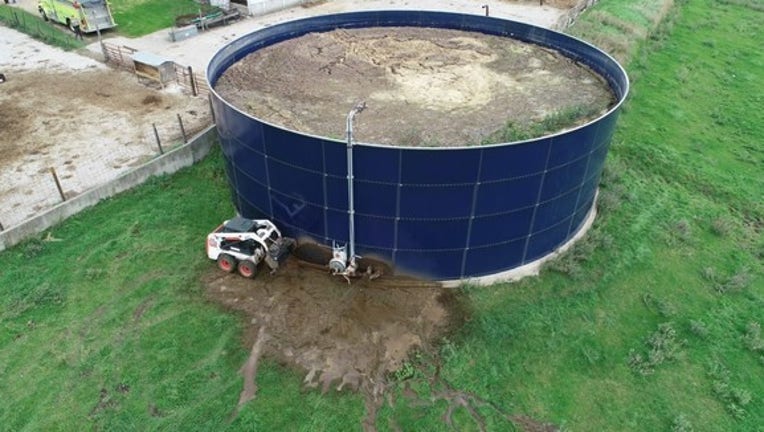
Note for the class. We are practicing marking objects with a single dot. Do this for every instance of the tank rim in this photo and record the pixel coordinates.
(614, 108)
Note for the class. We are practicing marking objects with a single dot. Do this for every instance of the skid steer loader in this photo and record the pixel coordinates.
(240, 244)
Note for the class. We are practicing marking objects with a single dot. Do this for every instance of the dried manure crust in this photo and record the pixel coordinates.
(422, 86)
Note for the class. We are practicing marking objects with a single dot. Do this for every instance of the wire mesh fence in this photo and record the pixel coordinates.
(32, 184)
(119, 56)
(37, 28)
(122, 57)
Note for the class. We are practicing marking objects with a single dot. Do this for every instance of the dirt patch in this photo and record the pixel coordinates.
(67, 111)
(46, 112)
(142, 308)
(148, 100)
(342, 336)
(356, 337)
(422, 87)
(89, 125)
(249, 370)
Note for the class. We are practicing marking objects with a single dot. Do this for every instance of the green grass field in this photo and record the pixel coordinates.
(652, 323)
(141, 17)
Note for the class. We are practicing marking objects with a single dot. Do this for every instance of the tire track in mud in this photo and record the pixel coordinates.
(249, 372)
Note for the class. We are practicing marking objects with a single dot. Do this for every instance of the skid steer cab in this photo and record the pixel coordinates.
(240, 244)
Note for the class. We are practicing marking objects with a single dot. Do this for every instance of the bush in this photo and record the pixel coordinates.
(699, 329)
(735, 283)
(733, 398)
(721, 227)
(662, 346)
(570, 262)
(681, 424)
(752, 337)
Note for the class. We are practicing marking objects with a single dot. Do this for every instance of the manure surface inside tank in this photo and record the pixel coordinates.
(422, 86)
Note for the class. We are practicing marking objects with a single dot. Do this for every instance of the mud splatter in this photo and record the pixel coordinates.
(249, 370)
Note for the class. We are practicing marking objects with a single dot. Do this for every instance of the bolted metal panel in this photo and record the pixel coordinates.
(440, 213)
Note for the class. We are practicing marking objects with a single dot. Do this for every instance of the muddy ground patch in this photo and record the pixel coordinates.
(342, 336)
(356, 337)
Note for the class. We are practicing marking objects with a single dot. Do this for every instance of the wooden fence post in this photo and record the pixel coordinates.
(182, 129)
(193, 81)
(156, 135)
(58, 183)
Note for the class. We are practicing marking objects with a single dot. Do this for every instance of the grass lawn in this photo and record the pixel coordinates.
(653, 322)
(140, 17)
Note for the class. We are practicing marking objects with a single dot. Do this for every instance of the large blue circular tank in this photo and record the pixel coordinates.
(439, 213)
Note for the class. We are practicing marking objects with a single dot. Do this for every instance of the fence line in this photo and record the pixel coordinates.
(202, 86)
(25, 197)
(180, 157)
(192, 82)
(119, 56)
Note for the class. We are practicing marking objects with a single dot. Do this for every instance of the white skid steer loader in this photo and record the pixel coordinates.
(241, 244)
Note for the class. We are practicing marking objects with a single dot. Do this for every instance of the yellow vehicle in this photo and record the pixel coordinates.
(89, 15)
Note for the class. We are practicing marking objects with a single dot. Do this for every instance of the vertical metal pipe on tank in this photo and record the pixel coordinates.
(351, 205)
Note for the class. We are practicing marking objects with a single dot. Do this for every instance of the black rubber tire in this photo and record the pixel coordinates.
(227, 263)
(247, 269)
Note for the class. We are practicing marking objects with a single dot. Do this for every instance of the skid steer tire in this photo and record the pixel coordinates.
(227, 263)
(247, 269)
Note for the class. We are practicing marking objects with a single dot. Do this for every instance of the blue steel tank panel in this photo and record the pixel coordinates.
(439, 213)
